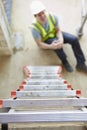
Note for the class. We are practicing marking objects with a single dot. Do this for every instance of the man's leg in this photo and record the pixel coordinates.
(73, 41)
(61, 54)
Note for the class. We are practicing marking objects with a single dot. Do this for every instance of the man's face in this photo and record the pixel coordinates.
(41, 17)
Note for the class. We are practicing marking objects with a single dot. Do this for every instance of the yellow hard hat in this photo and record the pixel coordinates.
(36, 7)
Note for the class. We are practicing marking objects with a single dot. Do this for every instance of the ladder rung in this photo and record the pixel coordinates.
(44, 82)
(42, 69)
(48, 93)
(45, 87)
(44, 76)
(57, 116)
(45, 102)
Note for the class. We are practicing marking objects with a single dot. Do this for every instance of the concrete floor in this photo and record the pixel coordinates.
(11, 67)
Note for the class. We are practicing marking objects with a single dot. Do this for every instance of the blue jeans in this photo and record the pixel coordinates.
(73, 41)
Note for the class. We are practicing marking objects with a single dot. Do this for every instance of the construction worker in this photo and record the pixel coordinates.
(47, 35)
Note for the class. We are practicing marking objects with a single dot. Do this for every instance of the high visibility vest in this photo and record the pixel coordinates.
(51, 33)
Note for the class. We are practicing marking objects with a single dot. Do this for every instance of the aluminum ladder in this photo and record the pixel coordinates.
(46, 92)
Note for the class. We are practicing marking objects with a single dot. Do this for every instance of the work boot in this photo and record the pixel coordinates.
(67, 66)
(82, 67)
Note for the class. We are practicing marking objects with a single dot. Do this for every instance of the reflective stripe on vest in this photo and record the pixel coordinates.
(46, 34)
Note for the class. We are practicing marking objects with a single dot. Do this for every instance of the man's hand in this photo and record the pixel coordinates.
(57, 44)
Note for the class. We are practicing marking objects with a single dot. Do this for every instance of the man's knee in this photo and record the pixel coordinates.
(75, 39)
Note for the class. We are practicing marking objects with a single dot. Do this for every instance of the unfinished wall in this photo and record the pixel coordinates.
(5, 33)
